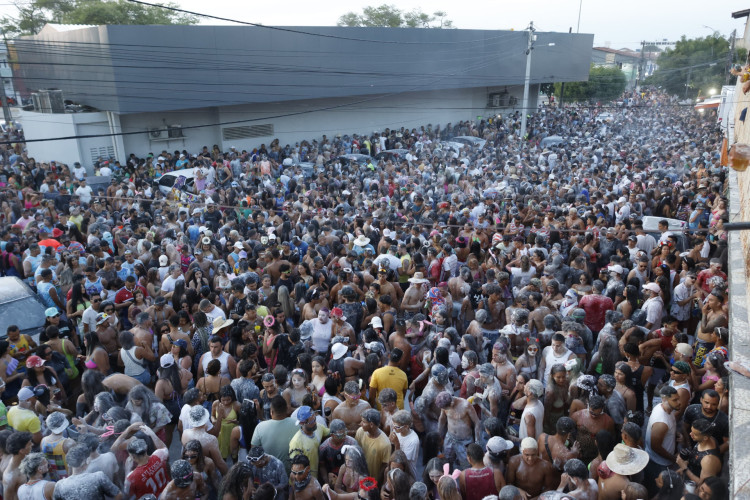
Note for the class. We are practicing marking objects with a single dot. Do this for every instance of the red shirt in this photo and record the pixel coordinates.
(595, 306)
(704, 276)
(151, 477)
(123, 294)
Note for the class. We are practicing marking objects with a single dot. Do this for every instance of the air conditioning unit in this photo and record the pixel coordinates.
(175, 132)
(155, 133)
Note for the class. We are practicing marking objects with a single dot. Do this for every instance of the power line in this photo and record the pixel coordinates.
(300, 32)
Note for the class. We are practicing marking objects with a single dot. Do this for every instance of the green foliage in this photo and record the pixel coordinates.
(390, 16)
(604, 84)
(693, 65)
(32, 15)
(547, 89)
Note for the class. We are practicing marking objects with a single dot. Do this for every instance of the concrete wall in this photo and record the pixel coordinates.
(51, 125)
(739, 327)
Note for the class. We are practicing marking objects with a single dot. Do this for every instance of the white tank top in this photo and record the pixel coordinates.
(550, 360)
(32, 492)
(538, 411)
(222, 359)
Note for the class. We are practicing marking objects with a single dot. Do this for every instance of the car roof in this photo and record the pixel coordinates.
(651, 223)
(12, 289)
(187, 172)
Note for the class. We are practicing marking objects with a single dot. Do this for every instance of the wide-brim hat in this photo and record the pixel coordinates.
(221, 323)
(338, 350)
(418, 278)
(198, 416)
(57, 423)
(627, 461)
(361, 240)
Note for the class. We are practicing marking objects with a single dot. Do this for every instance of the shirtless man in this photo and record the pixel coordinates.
(198, 418)
(303, 485)
(495, 307)
(18, 445)
(107, 336)
(505, 371)
(439, 382)
(184, 484)
(529, 472)
(350, 410)
(386, 287)
(414, 296)
(553, 447)
(142, 330)
(590, 421)
(459, 285)
(457, 417)
(398, 340)
(537, 314)
(341, 327)
(160, 312)
(576, 480)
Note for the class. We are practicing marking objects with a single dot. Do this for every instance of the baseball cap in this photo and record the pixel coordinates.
(25, 394)
(304, 413)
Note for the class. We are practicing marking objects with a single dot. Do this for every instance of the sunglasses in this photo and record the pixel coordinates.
(255, 460)
(96, 301)
(299, 472)
(190, 456)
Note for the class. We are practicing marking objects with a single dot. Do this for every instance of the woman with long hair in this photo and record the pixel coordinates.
(247, 420)
(201, 463)
(605, 359)
(631, 302)
(556, 399)
(172, 381)
(139, 304)
(234, 484)
(623, 377)
(97, 357)
(352, 471)
(528, 362)
(670, 486)
(200, 338)
(147, 408)
(448, 489)
(397, 485)
(153, 283)
(211, 383)
(198, 280)
(79, 301)
(224, 414)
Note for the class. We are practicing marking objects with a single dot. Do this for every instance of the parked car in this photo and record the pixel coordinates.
(20, 306)
(676, 227)
(551, 140)
(470, 141)
(349, 159)
(167, 181)
(392, 154)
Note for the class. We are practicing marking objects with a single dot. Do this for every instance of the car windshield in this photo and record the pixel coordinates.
(167, 180)
(26, 313)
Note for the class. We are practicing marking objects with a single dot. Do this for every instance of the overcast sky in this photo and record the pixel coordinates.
(617, 24)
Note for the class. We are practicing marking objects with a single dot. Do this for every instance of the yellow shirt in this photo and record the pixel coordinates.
(21, 419)
(389, 377)
(377, 451)
(309, 446)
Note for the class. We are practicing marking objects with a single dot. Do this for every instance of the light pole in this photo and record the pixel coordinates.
(578, 27)
(527, 79)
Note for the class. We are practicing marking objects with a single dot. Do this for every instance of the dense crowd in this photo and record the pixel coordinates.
(454, 322)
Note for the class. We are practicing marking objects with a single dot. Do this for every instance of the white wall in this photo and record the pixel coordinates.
(291, 122)
(46, 125)
(375, 114)
(194, 140)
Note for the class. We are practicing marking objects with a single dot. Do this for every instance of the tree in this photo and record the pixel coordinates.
(390, 16)
(32, 15)
(547, 89)
(604, 84)
(693, 66)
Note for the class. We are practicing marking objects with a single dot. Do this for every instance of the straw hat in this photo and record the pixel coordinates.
(361, 241)
(418, 278)
(626, 461)
(220, 323)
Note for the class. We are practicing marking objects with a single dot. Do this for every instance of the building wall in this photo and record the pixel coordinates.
(739, 327)
(51, 125)
(143, 69)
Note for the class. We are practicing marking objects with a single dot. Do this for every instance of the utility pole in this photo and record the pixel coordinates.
(640, 65)
(687, 85)
(730, 61)
(6, 106)
(527, 80)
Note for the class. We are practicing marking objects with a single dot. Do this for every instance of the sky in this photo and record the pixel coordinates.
(614, 24)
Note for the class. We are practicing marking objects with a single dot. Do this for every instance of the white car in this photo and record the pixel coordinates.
(168, 180)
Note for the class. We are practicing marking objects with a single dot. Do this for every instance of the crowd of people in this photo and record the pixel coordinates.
(451, 323)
